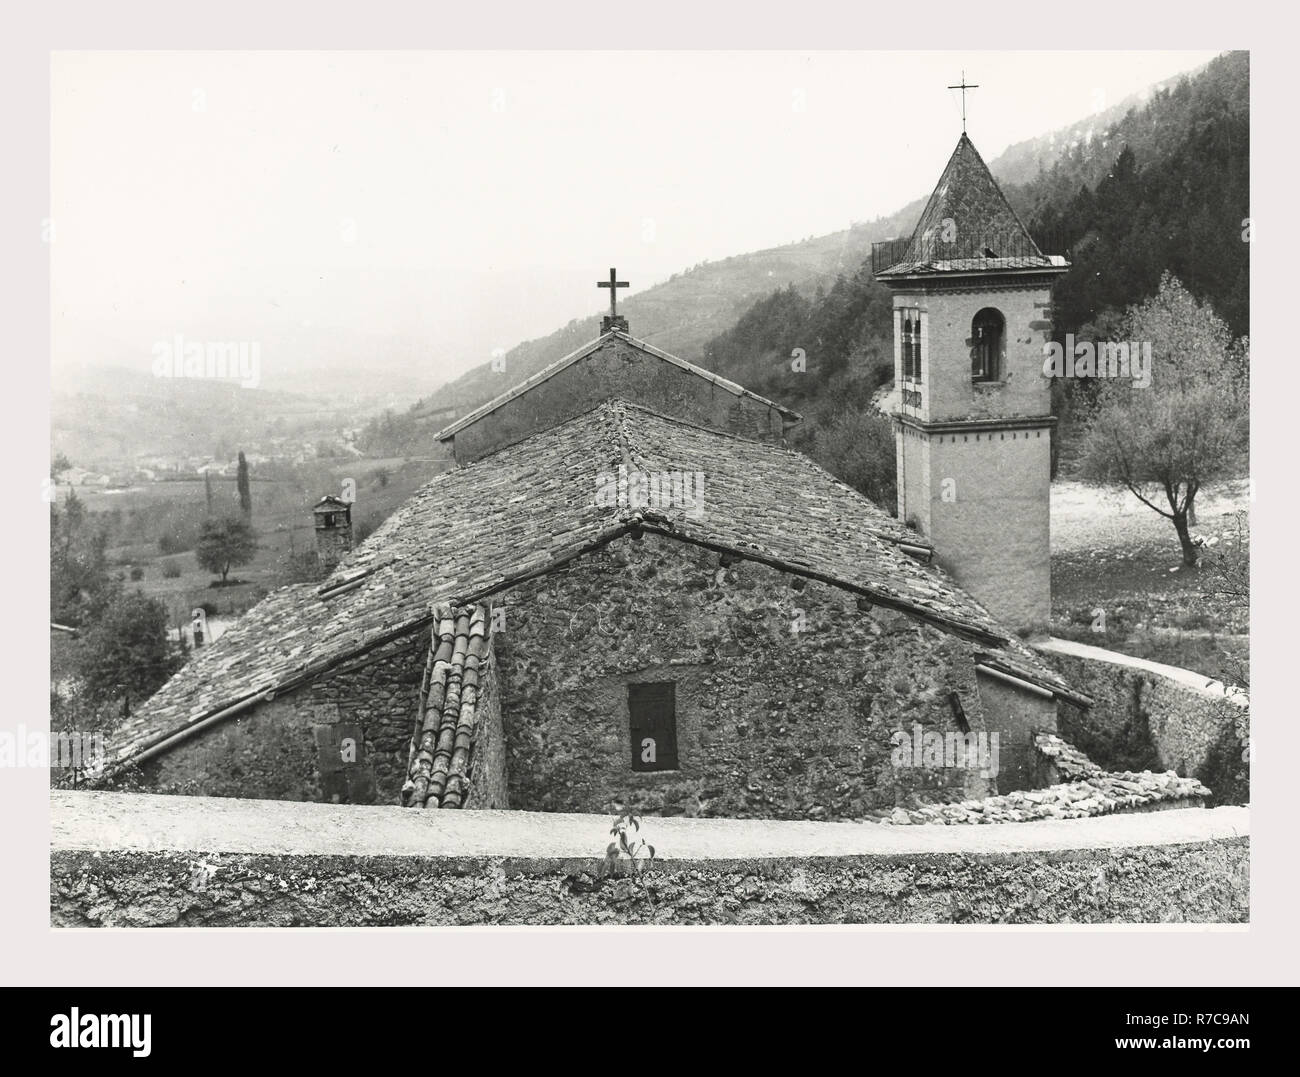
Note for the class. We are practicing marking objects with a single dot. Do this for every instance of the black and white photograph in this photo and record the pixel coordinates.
(619, 486)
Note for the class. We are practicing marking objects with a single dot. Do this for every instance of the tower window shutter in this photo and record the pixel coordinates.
(900, 356)
(921, 334)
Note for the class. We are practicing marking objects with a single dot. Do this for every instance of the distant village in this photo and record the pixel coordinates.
(172, 468)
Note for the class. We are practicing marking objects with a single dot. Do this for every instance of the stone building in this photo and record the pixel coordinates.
(332, 522)
(630, 591)
(624, 605)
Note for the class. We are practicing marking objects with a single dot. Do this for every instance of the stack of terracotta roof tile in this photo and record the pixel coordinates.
(1071, 764)
(449, 693)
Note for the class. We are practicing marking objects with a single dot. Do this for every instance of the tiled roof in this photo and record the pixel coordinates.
(527, 508)
(969, 225)
(447, 709)
(581, 353)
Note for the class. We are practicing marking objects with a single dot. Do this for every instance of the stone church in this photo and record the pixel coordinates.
(628, 590)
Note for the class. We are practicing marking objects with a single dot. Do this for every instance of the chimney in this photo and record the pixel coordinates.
(333, 520)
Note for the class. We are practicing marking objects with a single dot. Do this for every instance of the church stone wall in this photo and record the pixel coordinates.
(287, 748)
(786, 702)
(771, 722)
(617, 369)
(268, 751)
(379, 693)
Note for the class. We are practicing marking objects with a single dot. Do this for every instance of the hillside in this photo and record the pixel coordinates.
(1169, 189)
(686, 313)
(115, 419)
(1165, 187)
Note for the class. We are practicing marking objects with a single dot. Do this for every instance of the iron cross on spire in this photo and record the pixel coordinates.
(613, 284)
(963, 86)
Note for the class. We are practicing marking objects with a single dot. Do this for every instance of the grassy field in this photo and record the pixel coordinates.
(140, 517)
(1116, 566)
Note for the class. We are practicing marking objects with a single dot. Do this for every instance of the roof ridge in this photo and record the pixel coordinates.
(601, 406)
(620, 441)
(545, 431)
(691, 425)
(535, 378)
(717, 379)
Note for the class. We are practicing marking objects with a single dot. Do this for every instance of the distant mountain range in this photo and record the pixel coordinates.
(113, 418)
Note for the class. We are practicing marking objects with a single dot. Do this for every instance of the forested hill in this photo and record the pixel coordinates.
(725, 314)
(1165, 187)
(1171, 191)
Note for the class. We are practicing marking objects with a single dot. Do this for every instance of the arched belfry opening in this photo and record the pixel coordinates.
(988, 345)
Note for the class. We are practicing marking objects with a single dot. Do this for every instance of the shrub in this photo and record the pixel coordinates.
(171, 570)
(137, 573)
(857, 447)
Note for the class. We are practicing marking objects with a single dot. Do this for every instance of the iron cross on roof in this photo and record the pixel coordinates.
(963, 86)
(613, 284)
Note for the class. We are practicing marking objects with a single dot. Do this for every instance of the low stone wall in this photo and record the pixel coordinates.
(1149, 716)
(129, 860)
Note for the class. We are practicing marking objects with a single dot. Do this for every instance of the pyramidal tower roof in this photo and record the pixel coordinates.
(968, 224)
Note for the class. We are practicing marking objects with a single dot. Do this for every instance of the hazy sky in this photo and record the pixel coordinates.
(451, 203)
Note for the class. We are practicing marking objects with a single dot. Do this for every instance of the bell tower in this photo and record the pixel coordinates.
(973, 423)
